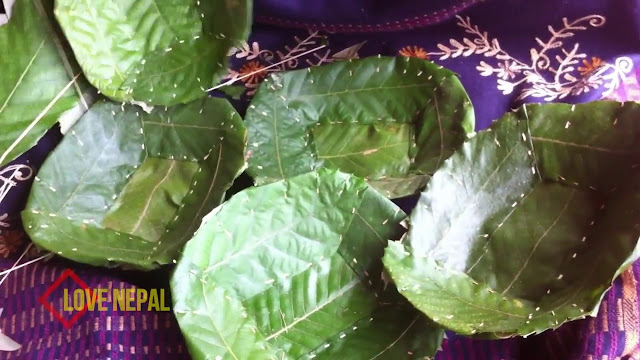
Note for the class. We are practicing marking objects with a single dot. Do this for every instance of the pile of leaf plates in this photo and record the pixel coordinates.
(517, 230)
(392, 121)
(130, 187)
(526, 226)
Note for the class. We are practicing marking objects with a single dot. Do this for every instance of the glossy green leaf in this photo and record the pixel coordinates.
(293, 270)
(157, 52)
(40, 84)
(527, 225)
(127, 187)
(392, 121)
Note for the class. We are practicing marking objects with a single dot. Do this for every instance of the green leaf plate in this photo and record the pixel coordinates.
(392, 121)
(293, 270)
(526, 226)
(127, 187)
(156, 52)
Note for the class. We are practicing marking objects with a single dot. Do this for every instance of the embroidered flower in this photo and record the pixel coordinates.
(311, 50)
(590, 67)
(254, 70)
(507, 70)
(414, 51)
(10, 241)
(4, 220)
(505, 86)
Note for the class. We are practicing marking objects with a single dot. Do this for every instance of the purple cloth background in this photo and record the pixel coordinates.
(607, 40)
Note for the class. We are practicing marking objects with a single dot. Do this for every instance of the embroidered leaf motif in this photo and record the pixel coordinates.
(390, 120)
(39, 84)
(157, 52)
(6, 344)
(533, 236)
(127, 187)
(550, 72)
(293, 269)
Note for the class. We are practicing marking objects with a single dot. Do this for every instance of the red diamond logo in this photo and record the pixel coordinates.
(68, 273)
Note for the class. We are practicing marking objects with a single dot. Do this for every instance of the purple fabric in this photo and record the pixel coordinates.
(497, 66)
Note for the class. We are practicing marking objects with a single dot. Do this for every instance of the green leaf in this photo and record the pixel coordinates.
(40, 85)
(392, 121)
(293, 270)
(156, 52)
(527, 225)
(127, 187)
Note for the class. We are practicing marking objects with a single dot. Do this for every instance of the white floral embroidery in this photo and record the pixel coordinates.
(551, 72)
(9, 177)
(3, 220)
(255, 68)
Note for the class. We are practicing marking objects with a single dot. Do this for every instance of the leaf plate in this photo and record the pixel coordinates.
(392, 121)
(156, 52)
(127, 187)
(293, 270)
(526, 226)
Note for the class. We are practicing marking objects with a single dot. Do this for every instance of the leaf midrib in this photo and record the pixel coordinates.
(24, 73)
(477, 194)
(361, 90)
(153, 192)
(206, 304)
(535, 246)
(91, 167)
(172, 125)
(584, 146)
(254, 246)
(206, 198)
(398, 339)
(350, 285)
(361, 152)
(457, 298)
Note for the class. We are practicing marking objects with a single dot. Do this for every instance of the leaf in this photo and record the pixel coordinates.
(407, 334)
(390, 120)
(127, 187)
(349, 53)
(293, 269)
(40, 85)
(158, 52)
(527, 225)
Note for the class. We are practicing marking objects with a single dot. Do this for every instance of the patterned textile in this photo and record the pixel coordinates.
(507, 52)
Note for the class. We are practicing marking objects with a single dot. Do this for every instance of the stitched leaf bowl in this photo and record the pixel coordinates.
(293, 270)
(392, 121)
(526, 226)
(127, 187)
